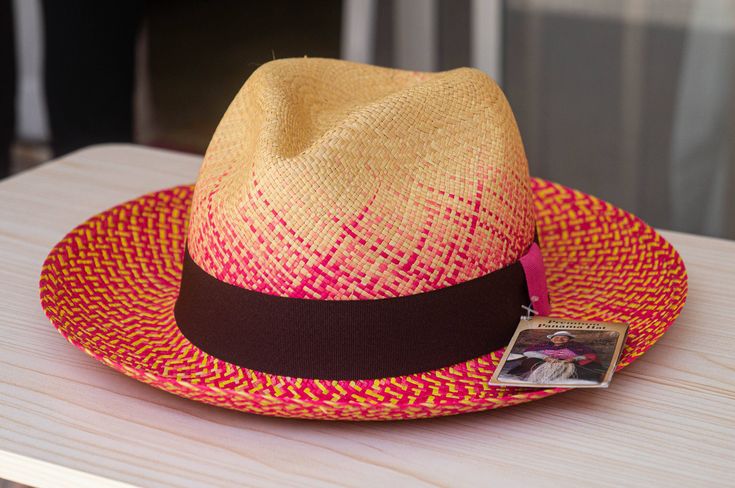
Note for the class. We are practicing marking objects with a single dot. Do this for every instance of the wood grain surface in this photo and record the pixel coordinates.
(67, 420)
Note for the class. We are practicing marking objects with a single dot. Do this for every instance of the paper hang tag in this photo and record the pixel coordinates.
(551, 352)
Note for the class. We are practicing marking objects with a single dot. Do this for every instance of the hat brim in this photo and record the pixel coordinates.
(110, 286)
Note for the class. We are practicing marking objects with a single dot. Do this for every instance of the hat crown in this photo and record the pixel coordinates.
(332, 180)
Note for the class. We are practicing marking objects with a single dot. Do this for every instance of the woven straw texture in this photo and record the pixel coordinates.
(110, 286)
(337, 181)
(334, 180)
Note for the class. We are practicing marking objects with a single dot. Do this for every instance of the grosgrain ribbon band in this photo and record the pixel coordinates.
(357, 339)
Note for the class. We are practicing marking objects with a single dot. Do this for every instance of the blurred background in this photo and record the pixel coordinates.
(630, 100)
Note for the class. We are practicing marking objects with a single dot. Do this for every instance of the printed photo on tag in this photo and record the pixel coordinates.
(549, 352)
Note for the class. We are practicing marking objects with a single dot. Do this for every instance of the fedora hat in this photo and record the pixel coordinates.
(359, 245)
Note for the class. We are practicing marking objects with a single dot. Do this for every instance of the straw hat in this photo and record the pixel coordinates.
(563, 333)
(358, 245)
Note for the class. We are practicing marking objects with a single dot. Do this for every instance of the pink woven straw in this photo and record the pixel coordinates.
(109, 287)
(336, 181)
(333, 180)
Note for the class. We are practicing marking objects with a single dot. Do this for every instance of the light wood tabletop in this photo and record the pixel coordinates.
(67, 420)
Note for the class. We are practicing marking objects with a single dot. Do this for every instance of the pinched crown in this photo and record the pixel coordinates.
(327, 179)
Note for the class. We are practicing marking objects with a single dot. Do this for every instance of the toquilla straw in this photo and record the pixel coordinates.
(357, 246)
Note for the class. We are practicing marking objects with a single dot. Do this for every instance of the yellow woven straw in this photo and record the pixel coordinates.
(335, 180)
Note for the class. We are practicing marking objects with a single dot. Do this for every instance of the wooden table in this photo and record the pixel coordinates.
(67, 420)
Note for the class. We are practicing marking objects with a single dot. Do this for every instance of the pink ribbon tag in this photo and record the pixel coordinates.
(533, 267)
